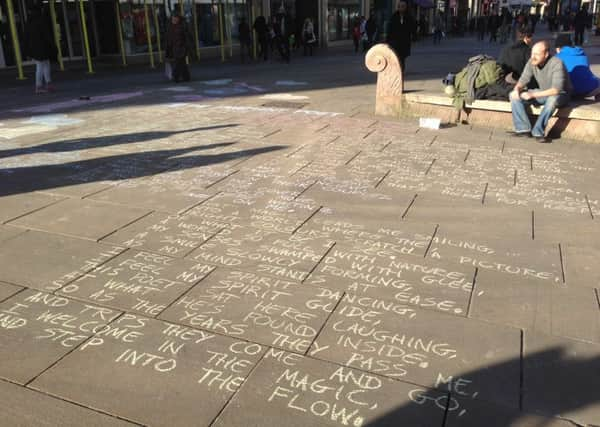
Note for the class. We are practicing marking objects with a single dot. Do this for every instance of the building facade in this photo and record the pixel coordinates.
(134, 30)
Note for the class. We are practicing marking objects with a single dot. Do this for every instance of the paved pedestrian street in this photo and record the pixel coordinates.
(170, 260)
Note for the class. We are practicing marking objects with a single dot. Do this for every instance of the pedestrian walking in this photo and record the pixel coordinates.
(356, 35)
(493, 27)
(481, 27)
(371, 29)
(262, 35)
(280, 32)
(401, 32)
(438, 27)
(41, 48)
(245, 39)
(178, 48)
(580, 22)
(309, 40)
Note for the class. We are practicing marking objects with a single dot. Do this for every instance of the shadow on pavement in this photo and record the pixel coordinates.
(115, 168)
(555, 382)
(106, 141)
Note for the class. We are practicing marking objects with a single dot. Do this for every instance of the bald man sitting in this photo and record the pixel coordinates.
(554, 91)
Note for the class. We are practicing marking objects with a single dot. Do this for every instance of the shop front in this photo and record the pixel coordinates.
(341, 16)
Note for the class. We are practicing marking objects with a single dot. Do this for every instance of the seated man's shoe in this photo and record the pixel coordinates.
(542, 139)
(519, 134)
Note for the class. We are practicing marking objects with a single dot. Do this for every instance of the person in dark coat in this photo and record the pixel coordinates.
(41, 48)
(513, 58)
(245, 39)
(580, 23)
(401, 32)
(262, 34)
(371, 29)
(177, 49)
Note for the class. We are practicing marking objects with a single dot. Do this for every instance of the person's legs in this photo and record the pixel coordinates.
(596, 92)
(39, 76)
(578, 37)
(551, 103)
(521, 123)
(46, 72)
(177, 71)
(185, 70)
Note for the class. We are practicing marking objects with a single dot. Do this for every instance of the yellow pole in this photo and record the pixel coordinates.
(148, 35)
(56, 36)
(251, 23)
(228, 28)
(15, 39)
(85, 38)
(196, 38)
(182, 13)
(157, 30)
(120, 34)
(220, 9)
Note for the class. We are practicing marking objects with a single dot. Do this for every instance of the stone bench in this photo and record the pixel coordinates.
(580, 120)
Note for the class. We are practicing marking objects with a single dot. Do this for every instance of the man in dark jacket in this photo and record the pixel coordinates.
(41, 48)
(401, 31)
(262, 34)
(581, 21)
(513, 58)
(245, 39)
(177, 49)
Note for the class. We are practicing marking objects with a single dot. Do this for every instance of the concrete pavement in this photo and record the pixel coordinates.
(255, 248)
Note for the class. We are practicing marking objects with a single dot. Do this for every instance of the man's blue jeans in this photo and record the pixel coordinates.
(520, 118)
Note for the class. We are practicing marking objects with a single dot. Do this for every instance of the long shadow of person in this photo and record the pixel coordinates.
(115, 168)
(102, 141)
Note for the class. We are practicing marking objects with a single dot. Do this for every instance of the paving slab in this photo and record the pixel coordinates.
(166, 234)
(81, 218)
(560, 377)
(22, 407)
(515, 257)
(482, 219)
(7, 232)
(475, 413)
(48, 261)
(582, 229)
(17, 205)
(381, 272)
(425, 349)
(37, 329)
(289, 256)
(152, 194)
(547, 308)
(7, 290)
(160, 374)
(341, 229)
(138, 281)
(580, 265)
(259, 308)
(308, 392)
(283, 216)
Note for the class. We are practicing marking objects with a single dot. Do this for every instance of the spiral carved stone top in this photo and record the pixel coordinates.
(375, 59)
(381, 59)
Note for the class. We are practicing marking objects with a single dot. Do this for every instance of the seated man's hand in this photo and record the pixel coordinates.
(526, 96)
(514, 95)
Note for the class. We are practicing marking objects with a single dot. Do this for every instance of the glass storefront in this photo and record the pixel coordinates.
(341, 16)
(202, 18)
